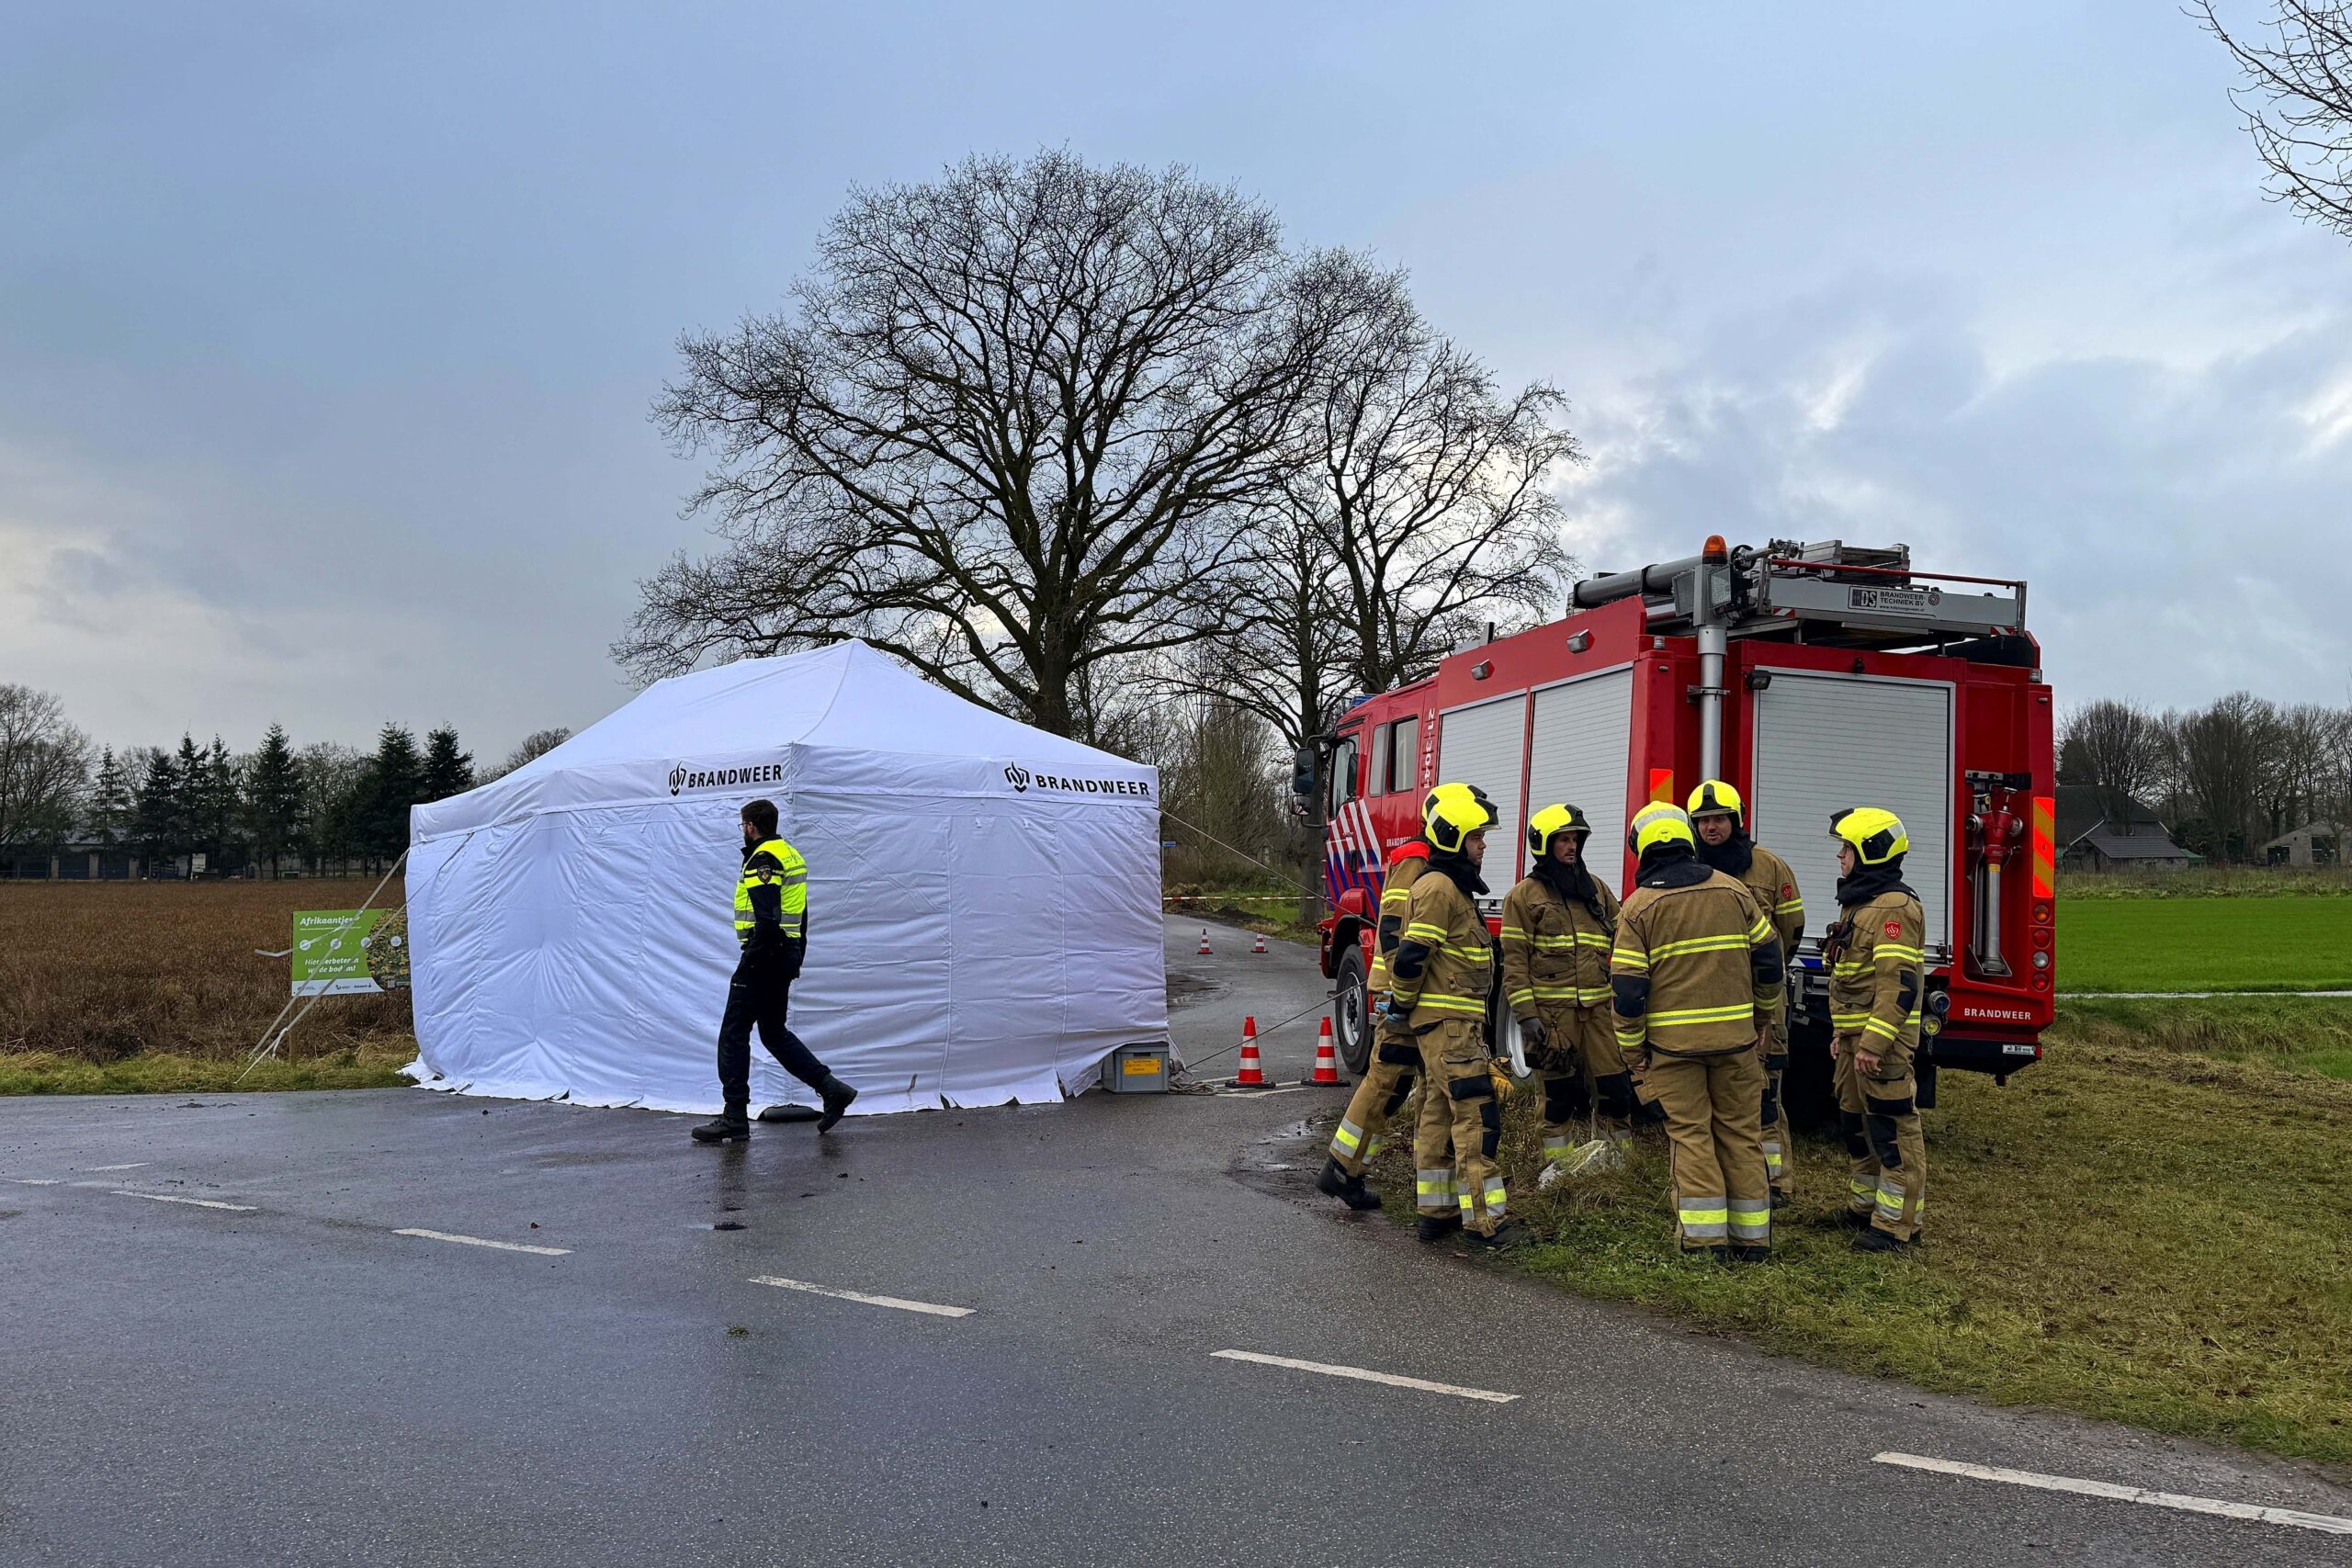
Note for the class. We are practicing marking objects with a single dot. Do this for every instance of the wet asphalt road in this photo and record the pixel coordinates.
(291, 1381)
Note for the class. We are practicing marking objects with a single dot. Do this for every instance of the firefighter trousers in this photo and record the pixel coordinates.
(1386, 1082)
(1714, 1108)
(1880, 1118)
(1458, 1106)
(1779, 1137)
(1586, 1070)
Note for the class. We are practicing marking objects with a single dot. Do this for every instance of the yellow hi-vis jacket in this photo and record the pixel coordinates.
(1696, 968)
(1879, 977)
(1396, 901)
(1555, 954)
(772, 890)
(1445, 965)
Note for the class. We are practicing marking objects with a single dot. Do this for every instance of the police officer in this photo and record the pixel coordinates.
(772, 934)
(1877, 960)
(1696, 975)
(1438, 983)
(1555, 936)
(1388, 1078)
(1717, 818)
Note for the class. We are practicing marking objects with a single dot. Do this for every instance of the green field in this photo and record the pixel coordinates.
(2205, 944)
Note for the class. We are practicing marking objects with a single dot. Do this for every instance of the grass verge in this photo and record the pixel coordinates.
(2300, 943)
(374, 1065)
(2136, 1230)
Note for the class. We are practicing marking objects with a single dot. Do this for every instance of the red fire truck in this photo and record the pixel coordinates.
(1812, 677)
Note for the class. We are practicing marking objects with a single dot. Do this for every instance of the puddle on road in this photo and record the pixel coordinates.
(1283, 1162)
(723, 1226)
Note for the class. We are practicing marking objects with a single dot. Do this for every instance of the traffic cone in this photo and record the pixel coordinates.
(1205, 940)
(1253, 1074)
(1327, 1061)
(1260, 945)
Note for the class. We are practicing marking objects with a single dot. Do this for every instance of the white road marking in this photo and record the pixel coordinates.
(134, 1164)
(1365, 1375)
(485, 1241)
(2329, 1523)
(934, 1308)
(35, 1181)
(191, 1203)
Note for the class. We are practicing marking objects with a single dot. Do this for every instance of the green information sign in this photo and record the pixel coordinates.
(342, 952)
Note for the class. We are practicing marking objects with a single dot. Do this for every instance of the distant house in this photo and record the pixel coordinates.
(2097, 833)
(2313, 844)
(76, 861)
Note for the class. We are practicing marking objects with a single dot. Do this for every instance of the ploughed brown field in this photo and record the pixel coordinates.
(94, 973)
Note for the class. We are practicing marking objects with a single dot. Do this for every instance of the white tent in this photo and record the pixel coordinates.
(983, 897)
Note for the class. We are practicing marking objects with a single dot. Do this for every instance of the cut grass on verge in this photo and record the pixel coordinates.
(2133, 1230)
(376, 1065)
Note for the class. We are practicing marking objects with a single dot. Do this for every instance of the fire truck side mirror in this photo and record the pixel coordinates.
(1304, 769)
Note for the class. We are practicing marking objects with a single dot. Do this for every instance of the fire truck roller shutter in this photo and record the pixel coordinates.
(1584, 733)
(1825, 742)
(1483, 745)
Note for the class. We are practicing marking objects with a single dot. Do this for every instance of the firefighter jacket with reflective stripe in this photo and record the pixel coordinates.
(1878, 975)
(1445, 964)
(771, 899)
(1395, 898)
(1774, 887)
(1555, 954)
(1696, 968)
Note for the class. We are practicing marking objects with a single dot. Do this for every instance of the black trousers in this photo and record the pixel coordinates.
(754, 998)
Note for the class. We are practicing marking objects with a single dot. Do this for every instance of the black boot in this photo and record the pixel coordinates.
(1877, 1240)
(1854, 1219)
(837, 1098)
(1750, 1252)
(1505, 1236)
(725, 1128)
(1336, 1182)
(1436, 1227)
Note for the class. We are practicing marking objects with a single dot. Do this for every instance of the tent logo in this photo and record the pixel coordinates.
(677, 778)
(1017, 776)
(683, 778)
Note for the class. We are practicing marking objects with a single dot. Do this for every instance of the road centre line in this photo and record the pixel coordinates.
(191, 1203)
(134, 1164)
(485, 1241)
(901, 1303)
(1365, 1375)
(2328, 1523)
(36, 1181)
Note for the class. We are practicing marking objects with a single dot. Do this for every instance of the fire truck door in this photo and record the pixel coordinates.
(1827, 741)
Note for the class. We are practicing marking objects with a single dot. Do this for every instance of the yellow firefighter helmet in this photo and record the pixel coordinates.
(1714, 798)
(1451, 812)
(1662, 823)
(1554, 820)
(1876, 833)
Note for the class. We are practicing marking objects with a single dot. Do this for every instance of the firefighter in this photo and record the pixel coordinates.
(1696, 975)
(772, 935)
(1438, 983)
(1877, 960)
(1555, 935)
(1717, 816)
(1388, 1078)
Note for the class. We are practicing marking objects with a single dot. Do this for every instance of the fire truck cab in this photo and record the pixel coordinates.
(1812, 677)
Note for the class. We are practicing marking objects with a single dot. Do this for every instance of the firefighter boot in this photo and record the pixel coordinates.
(726, 1127)
(1336, 1182)
(1504, 1236)
(1436, 1227)
(837, 1098)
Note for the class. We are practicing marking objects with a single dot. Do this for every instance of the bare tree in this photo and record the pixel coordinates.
(2224, 757)
(536, 744)
(2298, 103)
(1416, 508)
(44, 767)
(2116, 748)
(1006, 432)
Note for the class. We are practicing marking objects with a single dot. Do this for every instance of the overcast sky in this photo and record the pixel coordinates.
(326, 339)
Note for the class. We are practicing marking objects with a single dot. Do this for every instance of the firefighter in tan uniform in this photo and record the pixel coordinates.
(1696, 974)
(1388, 1077)
(1877, 959)
(1720, 822)
(1438, 983)
(1558, 925)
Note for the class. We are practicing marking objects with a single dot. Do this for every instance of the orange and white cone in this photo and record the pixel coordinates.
(1327, 1061)
(1204, 939)
(1253, 1074)
(1259, 945)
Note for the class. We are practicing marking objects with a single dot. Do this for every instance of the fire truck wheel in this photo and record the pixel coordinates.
(1351, 1014)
